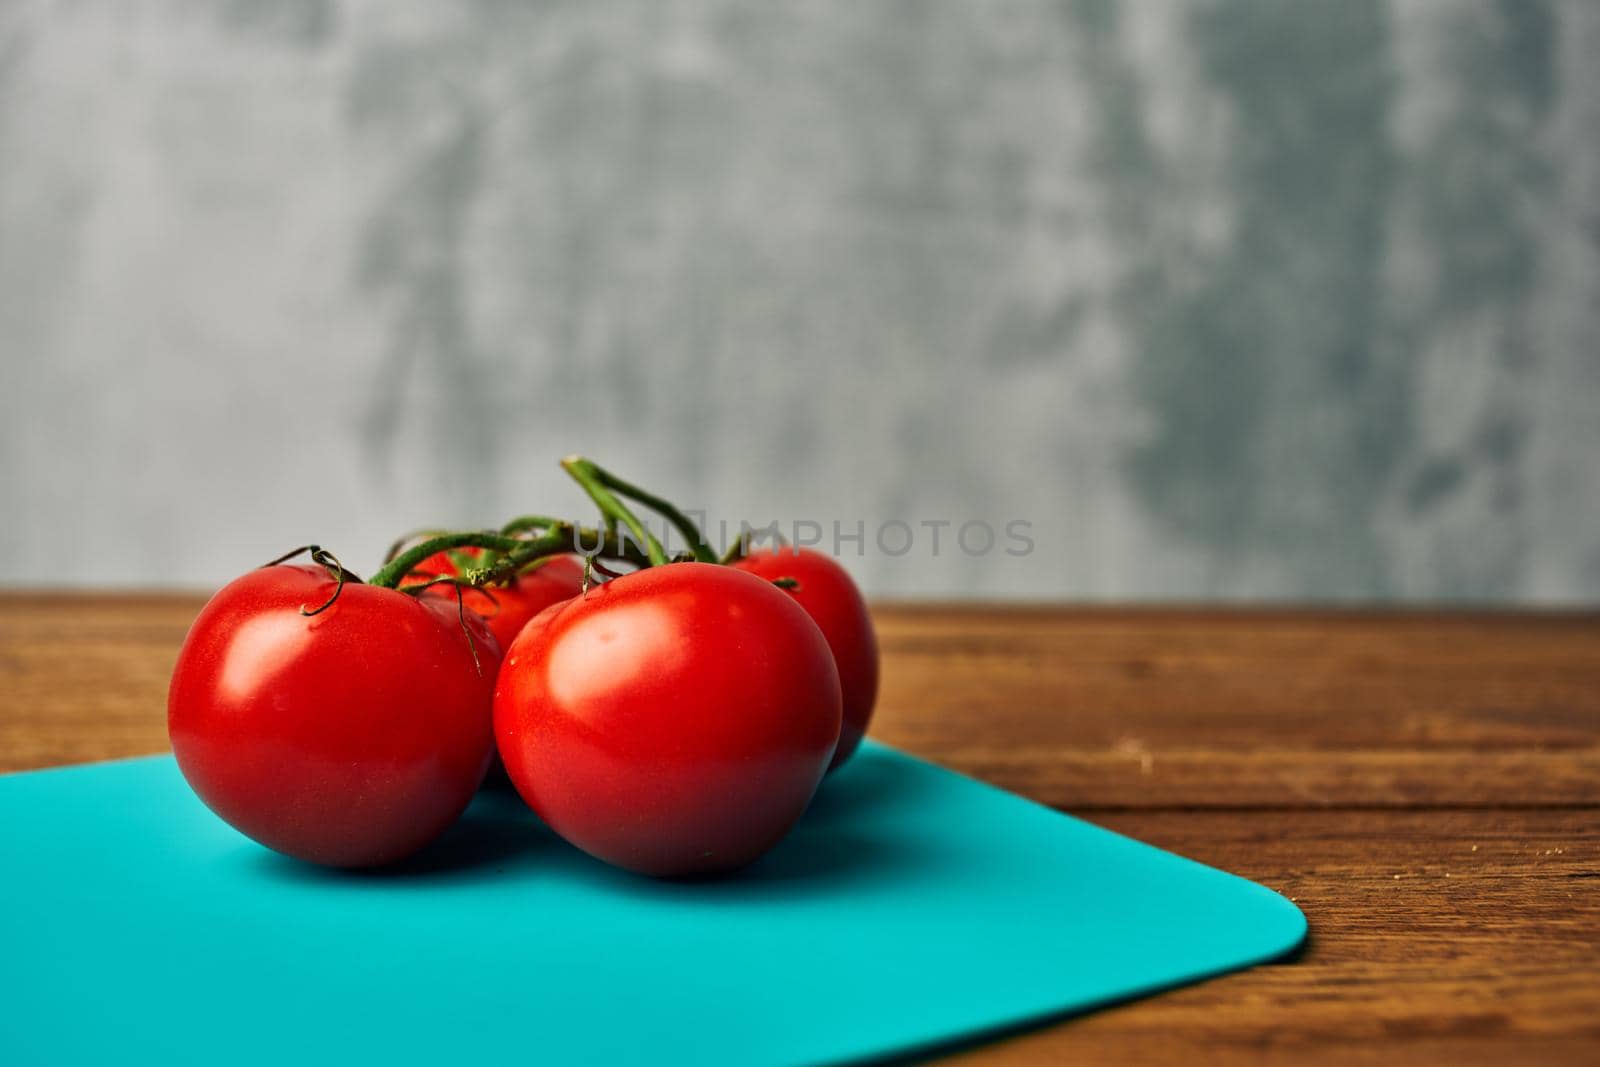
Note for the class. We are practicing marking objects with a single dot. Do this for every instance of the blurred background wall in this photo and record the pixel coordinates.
(1232, 299)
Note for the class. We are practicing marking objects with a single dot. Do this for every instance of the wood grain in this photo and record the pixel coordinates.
(85, 677)
(1133, 709)
(1426, 786)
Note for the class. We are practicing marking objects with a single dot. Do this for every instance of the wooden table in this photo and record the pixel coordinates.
(1425, 786)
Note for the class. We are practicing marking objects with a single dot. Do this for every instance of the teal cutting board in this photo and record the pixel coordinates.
(911, 908)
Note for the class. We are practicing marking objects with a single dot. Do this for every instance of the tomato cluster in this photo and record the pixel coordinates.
(674, 720)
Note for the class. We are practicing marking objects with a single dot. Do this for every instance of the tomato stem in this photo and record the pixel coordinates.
(411, 538)
(681, 522)
(399, 566)
(514, 553)
(595, 482)
(529, 540)
(525, 523)
(665, 508)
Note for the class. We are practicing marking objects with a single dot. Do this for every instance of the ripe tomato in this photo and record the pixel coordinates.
(832, 600)
(351, 737)
(508, 608)
(674, 721)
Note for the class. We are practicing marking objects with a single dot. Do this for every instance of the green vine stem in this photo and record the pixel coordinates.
(411, 538)
(586, 471)
(400, 566)
(529, 540)
(461, 560)
(594, 482)
(514, 554)
(527, 523)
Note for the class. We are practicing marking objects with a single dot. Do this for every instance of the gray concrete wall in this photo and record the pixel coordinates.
(1233, 299)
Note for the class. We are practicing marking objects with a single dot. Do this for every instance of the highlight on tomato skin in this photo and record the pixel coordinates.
(828, 594)
(349, 736)
(674, 722)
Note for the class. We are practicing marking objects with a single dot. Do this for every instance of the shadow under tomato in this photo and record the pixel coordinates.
(844, 841)
(873, 780)
(494, 834)
(847, 841)
(798, 869)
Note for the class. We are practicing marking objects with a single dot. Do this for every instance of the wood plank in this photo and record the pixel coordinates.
(84, 677)
(1126, 708)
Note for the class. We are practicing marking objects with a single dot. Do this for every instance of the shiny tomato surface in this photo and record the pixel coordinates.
(351, 737)
(834, 603)
(674, 722)
(508, 608)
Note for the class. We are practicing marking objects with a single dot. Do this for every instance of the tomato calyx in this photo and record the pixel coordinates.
(328, 562)
(343, 576)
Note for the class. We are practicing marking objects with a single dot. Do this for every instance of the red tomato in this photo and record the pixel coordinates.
(350, 738)
(675, 721)
(834, 603)
(508, 608)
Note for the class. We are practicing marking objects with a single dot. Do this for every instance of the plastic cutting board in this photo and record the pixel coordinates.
(911, 908)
